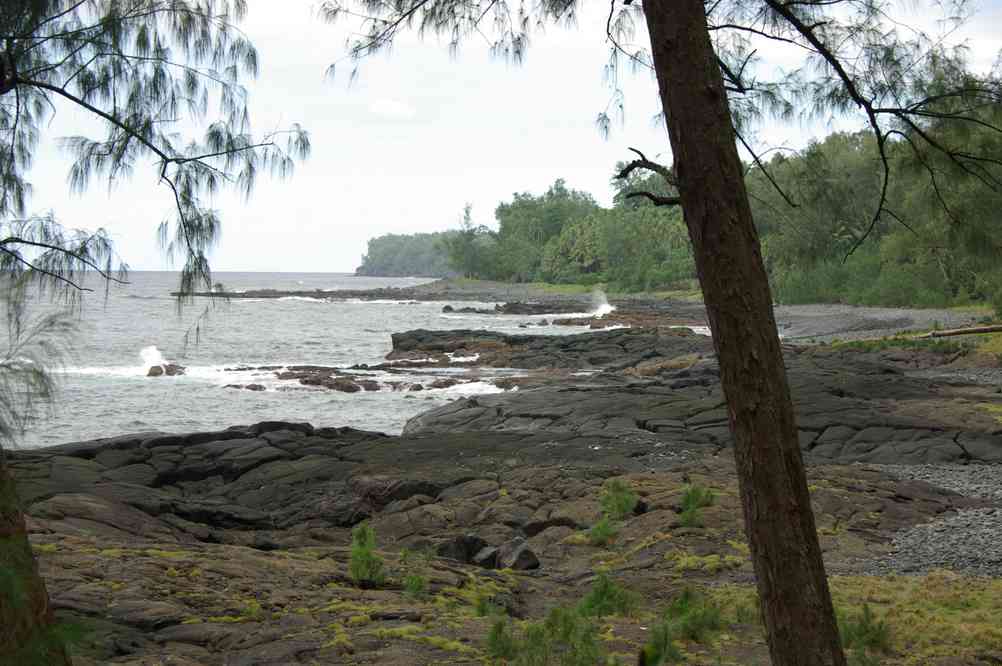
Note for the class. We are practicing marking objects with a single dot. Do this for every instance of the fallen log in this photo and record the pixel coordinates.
(974, 330)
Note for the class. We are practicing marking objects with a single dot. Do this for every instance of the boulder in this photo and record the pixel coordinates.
(344, 385)
(517, 555)
(168, 369)
(462, 548)
(486, 558)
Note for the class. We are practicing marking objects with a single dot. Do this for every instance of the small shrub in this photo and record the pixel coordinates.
(607, 598)
(485, 607)
(864, 631)
(697, 497)
(573, 637)
(660, 647)
(564, 638)
(747, 614)
(602, 533)
(501, 643)
(694, 498)
(365, 567)
(694, 616)
(415, 585)
(618, 500)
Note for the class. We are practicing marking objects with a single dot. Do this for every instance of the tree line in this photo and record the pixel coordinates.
(406, 255)
(819, 250)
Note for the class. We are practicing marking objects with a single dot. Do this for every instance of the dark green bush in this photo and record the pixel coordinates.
(618, 499)
(606, 597)
(864, 631)
(365, 567)
(602, 533)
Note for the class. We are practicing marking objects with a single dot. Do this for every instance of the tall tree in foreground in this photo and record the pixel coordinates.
(703, 54)
(141, 68)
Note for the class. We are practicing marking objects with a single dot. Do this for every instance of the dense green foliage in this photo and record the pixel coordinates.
(923, 253)
(564, 236)
(404, 255)
(936, 245)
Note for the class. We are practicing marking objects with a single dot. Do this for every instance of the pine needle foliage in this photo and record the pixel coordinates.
(618, 499)
(364, 566)
(146, 68)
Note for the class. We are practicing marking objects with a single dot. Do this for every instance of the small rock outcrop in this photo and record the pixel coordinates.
(166, 370)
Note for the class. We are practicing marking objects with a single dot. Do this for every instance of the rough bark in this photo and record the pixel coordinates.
(26, 618)
(796, 603)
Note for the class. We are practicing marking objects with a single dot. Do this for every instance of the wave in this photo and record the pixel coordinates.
(151, 356)
(471, 388)
(305, 299)
(378, 301)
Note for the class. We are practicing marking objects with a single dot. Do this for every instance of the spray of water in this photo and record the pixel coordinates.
(151, 356)
(600, 304)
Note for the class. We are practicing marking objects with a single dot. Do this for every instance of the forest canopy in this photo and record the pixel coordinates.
(822, 250)
(407, 255)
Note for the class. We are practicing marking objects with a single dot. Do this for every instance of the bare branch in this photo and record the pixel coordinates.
(656, 199)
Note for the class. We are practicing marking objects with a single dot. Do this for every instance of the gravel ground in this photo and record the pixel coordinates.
(969, 541)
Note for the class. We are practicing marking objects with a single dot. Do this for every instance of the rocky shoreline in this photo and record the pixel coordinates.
(233, 546)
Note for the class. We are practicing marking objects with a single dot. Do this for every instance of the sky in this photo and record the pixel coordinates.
(415, 137)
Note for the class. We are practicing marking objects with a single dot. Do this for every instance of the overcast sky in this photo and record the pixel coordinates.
(402, 149)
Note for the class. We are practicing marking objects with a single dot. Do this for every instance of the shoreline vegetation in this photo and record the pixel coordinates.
(592, 512)
(813, 253)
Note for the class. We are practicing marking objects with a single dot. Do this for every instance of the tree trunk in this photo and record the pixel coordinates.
(26, 618)
(796, 603)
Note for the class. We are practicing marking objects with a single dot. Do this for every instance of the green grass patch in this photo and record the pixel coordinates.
(564, 638)
(691, 616)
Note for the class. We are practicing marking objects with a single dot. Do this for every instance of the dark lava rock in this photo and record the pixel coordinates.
(849, 409)
(462, 548)
(246, 387)
(517, 555)
(614, 350)
(168, 369)
(344, 385)
(486, 558)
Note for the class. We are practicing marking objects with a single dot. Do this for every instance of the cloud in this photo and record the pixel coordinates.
(392, 109)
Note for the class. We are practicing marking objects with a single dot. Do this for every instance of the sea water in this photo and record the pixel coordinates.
(104, 390)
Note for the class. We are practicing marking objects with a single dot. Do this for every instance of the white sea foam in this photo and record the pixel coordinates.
(378, 301)
(305, 299)
(470, 388)
(698, 330)
(463, 359)
(151, 356)
(600, 304)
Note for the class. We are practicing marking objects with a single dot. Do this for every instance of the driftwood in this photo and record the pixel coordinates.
(975, 330)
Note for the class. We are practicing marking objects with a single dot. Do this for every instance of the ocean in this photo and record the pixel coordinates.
(104, 390)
